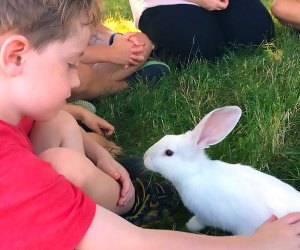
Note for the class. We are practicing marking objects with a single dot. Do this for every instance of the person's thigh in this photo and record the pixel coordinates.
(246, 22)
(183, 31)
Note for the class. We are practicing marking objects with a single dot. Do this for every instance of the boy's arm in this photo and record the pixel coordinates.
(91, 120)
(109, 231)
(104, 161)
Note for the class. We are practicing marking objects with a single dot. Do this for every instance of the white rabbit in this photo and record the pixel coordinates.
(232, 197)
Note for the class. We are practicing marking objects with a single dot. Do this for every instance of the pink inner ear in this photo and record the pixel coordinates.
(215, 126)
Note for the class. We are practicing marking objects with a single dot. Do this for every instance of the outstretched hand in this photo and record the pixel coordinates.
(278, 234)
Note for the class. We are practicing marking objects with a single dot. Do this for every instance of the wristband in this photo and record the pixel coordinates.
(111, 39)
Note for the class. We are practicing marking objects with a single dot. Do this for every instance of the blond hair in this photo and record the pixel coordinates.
(43, 21)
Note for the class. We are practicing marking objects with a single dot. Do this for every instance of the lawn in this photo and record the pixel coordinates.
(263, 81)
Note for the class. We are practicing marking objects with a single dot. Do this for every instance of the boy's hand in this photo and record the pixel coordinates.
(119, 173)
(276, 233)
(96, 123)
(211, 4)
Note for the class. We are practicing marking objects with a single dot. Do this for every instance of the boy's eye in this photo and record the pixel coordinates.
(72, 66)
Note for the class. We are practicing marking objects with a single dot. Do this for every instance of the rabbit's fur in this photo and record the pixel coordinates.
(232, 197)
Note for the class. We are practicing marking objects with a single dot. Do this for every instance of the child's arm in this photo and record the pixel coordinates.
(109, 231)
(104, 161)
(91, 120)
(120, 52)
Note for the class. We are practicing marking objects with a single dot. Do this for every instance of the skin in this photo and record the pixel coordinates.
(287, 12)
(103, 69)
(18, 64)
(45, 97)
(211, 5)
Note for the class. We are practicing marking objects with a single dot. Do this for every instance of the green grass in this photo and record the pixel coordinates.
(264, 82)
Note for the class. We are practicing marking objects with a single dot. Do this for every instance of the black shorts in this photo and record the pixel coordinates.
(186, 31)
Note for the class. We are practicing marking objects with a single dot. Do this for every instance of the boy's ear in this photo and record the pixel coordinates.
(12, 53)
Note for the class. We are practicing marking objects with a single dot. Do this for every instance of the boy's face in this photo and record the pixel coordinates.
(47, 77)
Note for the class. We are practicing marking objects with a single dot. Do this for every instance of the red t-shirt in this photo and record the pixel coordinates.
(39, 209)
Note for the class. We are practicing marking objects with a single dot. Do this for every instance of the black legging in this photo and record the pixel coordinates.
(186, 31)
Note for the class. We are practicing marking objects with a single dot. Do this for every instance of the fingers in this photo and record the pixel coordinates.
(292, 218)
(219, 5)
(137, 49)
(111, 171)
(137, 58)
(223, 4)
(131, 36)
(128, 35)
(127, 191)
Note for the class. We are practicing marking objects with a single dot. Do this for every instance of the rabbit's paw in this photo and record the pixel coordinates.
(193, 225)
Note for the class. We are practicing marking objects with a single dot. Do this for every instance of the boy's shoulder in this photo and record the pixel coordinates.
(14, 137)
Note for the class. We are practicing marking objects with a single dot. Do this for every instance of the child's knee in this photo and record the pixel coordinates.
(278, 9)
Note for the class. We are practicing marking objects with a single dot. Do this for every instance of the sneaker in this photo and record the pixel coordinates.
(85, 104)
(135, 167)
(152, 201)
(151, 70)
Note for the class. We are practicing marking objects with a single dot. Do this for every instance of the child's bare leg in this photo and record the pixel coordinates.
(60, 142)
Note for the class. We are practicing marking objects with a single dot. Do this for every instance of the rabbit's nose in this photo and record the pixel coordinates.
(147, 160)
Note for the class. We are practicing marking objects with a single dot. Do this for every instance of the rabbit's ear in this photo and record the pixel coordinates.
(216, 125)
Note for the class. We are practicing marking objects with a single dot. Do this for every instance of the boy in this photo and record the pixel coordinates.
(41, 204)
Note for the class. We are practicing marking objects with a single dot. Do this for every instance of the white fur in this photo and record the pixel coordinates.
(232, 197)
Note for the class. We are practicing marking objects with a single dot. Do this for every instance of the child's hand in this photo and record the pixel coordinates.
(119, 173)
(96, 123)
(120, 52)
(278, 234)
(142, 47)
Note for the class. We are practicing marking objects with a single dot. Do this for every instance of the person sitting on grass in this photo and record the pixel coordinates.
(287, 12)
(59, 189)
(201, 28)
(112, 61)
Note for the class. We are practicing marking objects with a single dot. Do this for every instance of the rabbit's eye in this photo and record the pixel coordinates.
(169, 152)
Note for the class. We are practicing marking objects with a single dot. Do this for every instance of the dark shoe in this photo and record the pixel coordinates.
(151, 70)
(152, 201)
(135, 167)
(85, 104)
